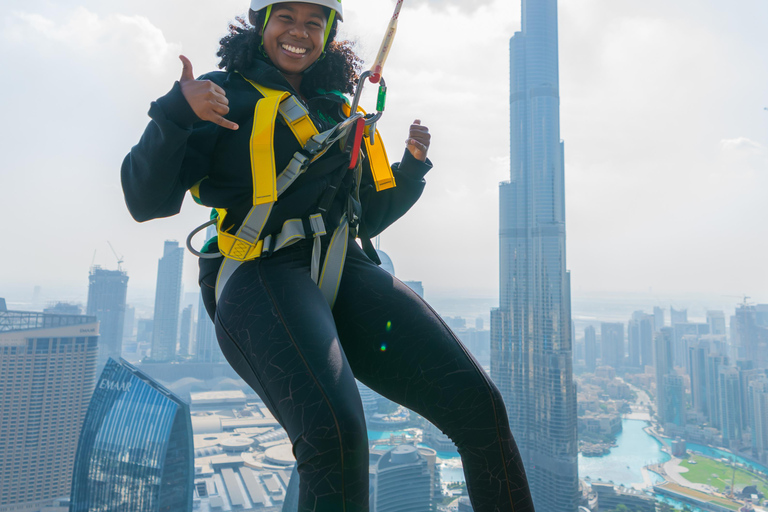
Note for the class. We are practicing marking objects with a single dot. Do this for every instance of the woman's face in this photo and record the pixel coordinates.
(293, 37)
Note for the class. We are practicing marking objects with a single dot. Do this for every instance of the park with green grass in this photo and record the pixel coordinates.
(718, 474)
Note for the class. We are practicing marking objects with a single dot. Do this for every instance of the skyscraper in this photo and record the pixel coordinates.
(47, 372)
(678, 316)
(663, 367)
(135, 451)
(207, 349)
(716, 321)
(167, 302)
(674, 400)
(107, 290)
(531, 360)
(698, 372)
(714, 362)
(640, 340)
(590, 348)
(730, 405)
(612, 341)
(186, 345)
(758, 399)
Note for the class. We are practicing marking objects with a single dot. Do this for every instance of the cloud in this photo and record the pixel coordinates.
(91, 35)
(744, 146)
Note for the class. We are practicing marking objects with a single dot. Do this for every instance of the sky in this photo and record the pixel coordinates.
(662, 113)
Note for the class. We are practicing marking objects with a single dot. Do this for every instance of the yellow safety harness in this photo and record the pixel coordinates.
(247, 244)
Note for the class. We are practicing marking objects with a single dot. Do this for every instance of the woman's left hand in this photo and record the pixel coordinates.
(418, 140)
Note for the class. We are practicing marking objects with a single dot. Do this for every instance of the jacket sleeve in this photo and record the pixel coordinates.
(173, 154)
(381, 209)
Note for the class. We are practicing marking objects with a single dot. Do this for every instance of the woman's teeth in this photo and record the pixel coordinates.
(293, 49)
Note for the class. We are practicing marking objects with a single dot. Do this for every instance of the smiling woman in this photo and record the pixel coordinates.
(301, 309)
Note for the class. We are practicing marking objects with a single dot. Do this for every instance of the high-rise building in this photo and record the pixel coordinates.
(207, 349)
(730, 405)
(750, 333)
(47, 372)
(107, 290)
(416, 286)
(590, 348)
(64, 308)
(658, 318)
(612, 341)
(678, 316)
(167, 302)
(716, 322)
(698, 372)
(186, 345)
(747, 374)
(207, 346)
(135, 451)
(674, 399)
(663, 367)
(129, 324)
(758, 399)
(403, 480)
(644, 329)
(531, 359)
(685, 335)
(715, 361)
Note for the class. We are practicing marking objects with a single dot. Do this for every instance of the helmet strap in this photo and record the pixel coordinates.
(263, 28)
(328, 27)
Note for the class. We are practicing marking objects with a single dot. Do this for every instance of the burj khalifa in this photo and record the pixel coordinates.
(531, 358)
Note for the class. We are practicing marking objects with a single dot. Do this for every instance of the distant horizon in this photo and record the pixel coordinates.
(19, 298)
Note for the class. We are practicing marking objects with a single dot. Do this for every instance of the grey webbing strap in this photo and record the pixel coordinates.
(254, 222)
(333, 265)
(291, 109)
(293, 170)
(318, 230)
(292, 232)
(228, 267)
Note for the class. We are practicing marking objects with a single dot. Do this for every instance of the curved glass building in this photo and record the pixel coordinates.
(135, 452)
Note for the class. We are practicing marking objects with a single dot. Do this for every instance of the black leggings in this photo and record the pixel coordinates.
(280, 336)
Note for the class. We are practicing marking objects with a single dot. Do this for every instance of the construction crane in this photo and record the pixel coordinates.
(119, 258)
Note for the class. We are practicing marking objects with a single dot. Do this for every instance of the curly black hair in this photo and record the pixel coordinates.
(337, 71)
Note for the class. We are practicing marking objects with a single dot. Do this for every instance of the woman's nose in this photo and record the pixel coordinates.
(299, 32)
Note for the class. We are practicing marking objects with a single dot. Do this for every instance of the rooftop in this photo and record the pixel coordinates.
(14, 321)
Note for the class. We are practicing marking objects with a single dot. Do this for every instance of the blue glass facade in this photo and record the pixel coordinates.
(135, 452)
(531, 360)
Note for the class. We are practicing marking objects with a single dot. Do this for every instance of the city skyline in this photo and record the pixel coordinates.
(666, 137)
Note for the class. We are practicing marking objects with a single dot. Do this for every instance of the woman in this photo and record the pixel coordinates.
(298, 345)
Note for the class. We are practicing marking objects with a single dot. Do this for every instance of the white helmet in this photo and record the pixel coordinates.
(334, 5)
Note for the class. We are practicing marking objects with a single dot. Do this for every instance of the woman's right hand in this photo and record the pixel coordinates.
(208, 100)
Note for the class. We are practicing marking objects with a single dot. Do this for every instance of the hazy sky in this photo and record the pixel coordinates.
(662, 115)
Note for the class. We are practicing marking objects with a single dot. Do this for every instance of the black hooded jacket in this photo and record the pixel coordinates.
(178, 150)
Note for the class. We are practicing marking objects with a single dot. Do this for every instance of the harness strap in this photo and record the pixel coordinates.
(377, 156)
(333, 265)
(293, 230)
(246, 244)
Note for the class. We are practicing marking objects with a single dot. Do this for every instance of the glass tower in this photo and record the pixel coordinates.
(135, 451)
(167, 302)
(531, 358)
